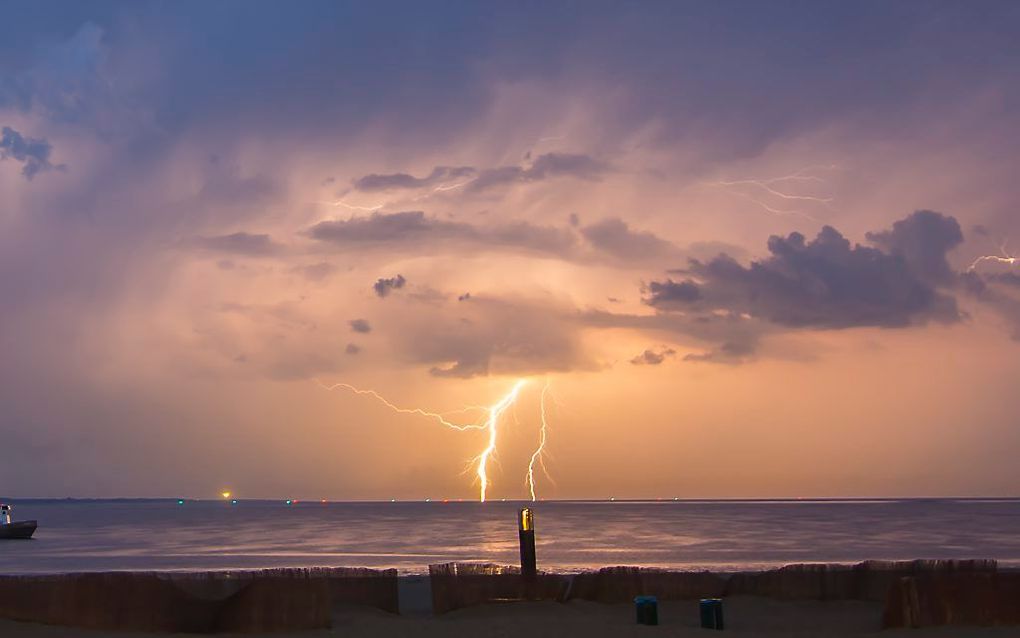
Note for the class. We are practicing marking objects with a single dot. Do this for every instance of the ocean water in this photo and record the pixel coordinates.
(572, 535)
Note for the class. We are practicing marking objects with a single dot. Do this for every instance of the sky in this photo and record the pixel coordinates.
(733, 249)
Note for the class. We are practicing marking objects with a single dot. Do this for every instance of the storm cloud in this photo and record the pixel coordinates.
(385, 285)
(360, 325)
(33, 154)
(653, 357)
(415, 227)
(922, 240)
(547, 166)
(827, 282)
(551, 169)
(397, 181)
(728, 352)
(614, 237)
(495, 336)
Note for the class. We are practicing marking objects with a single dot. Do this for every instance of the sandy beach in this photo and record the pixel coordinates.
(745, 616)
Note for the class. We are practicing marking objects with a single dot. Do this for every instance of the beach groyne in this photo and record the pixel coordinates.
(915, 593)
(869, 580)
(204, 602)
(459, 585)
(960, 599)
(940, 587)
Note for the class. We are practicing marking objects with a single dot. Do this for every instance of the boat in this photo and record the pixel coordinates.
(17, 530)
(10, 530)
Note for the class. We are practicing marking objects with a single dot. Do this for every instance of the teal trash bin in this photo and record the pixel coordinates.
(711, 613)
(647, 608)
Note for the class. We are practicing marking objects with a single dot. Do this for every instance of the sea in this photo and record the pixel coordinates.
(572, 536)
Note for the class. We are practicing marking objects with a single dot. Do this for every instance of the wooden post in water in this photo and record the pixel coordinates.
(526, 529)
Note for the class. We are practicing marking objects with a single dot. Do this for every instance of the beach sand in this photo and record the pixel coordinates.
(744, 616)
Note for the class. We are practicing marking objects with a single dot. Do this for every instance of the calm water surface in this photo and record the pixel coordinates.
(162, 535)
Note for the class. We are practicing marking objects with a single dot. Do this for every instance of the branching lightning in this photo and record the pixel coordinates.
(436, 416)
(773, 187)
(494, 415)
(537, 456)
(495, 412)
(1004, 257)
(994, 258)
(449, 187)
(354, 206)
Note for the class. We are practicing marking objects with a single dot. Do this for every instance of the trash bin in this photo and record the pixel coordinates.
(711, 613)
(647, 608)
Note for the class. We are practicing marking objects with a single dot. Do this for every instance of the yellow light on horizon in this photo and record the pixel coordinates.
(225, 494)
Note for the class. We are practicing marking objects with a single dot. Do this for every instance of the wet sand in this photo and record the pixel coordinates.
(744, 616)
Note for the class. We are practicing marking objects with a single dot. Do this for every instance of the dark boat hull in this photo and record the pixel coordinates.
(17, 530)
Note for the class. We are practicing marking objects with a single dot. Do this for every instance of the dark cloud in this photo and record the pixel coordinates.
(569, 165)
(548, 166)
(352, 348)
(33, 154)
(827, 283)
(1007, 278)
(360, 325)
(729, 352)
(493, 336)
(240, 243)
(416, 227)
(614, 237)
(464, 297)
(389, 227)
(999, 292)
(610, 237)
(705, 250)
(653, 357)
(384, 286)
(395, 181)
(922, 241)
(664, 293)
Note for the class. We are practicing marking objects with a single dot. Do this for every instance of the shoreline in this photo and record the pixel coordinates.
(747, 617)
(922, 593)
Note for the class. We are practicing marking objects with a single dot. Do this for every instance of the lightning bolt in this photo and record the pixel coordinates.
(994, 258)
(449, 187)
(537, 455)
(353, 206)
(442, 188)
(495, 412)
(773, 188)
(494, 415)
(435, 416)
(1005, 257)
(776, 211)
